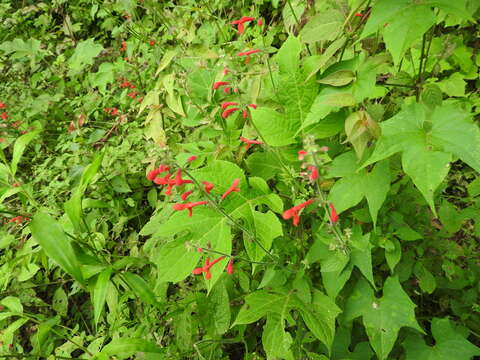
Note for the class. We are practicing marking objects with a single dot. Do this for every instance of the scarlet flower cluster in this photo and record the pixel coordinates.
(112, 111)
(166, 180)
(123, 48)
(240, 23)
(294, 212)
(127, 84)
(208, 265)
(18, 219)
(249, 142)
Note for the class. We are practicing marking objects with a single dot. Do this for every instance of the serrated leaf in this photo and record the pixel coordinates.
(175, 262)
(276, 129)
(257, 305)
(323, 26)
(275, 340)
(83, 55)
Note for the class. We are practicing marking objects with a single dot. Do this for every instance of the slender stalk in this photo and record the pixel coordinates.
(420, 68)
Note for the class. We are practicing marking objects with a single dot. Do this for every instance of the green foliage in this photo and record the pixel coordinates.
(318, 188)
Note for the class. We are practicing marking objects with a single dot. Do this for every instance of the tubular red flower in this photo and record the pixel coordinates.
(247, 53)
(227, 104)
(154, 173)
(229, 112)
(197, 271)
(240, 23)
(208, 186)
(294, 212)
(250, 142)
(260, 22)
(132, 94)
(333, 213)
(151, 42)
(252, 106)
(233, 188)
(313, 173)
(124, 46)
(225, 71)
(3, 105)
(226, 90)
(301, 154)
(206, 269)
(230, 267)
(186, 194)
(4, 116)
(220, 83)
(162, 180)
(359, 14)
(188, 206)
(200, 250)
(192, 158)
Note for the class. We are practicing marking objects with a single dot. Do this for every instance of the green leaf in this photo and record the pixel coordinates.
(19, 147)
(219, 307)
(383, 317)
(425, 278)
(267, 227)
(200, 84)
(449, 344)
(276, 129)
(323, 26)
(258, 304)
(141, 288)
(60, 302)
(99, 295)
(360, 254)
(83, 55)
(263, 164)
(326, 56)
(453, 85)
(56, 244)
(275, 340)
(12, 303)
(129, 346)
(289, 54)
(338, 78)
(175, 262)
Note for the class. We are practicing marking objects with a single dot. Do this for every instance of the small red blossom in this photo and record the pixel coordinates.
(217, 84)
(3, 105)
(227, 89)
(192, 158)
(253, 106)
(151, 42)
(240, 23)
(163, 180)
(178, 179)
(124, 46)
(186, 194)
(260, 22)
(229, 112)
(16, 184)
(188, 206)
(245, 114)
(208, 186)
(206, 269)
(230, 267)
(250, 142)
(200, 250)
(227, 104)
(294, 212)
(233, 188)
(313, 172)
(225, 71)
(247, 53)
(333, 213)
(18, 219)
(4, 116)
(132, 94)
(235, 90)
(359, 14)
(301, 154)
(155, 172)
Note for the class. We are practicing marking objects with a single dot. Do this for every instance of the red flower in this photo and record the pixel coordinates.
(151, 42)
(245, 114)
(227, 104)
(247, 53)
(127, 84)
(2, 105)
(124, 46)
(4, 116)
(314, 172)
(217, 84)
(206, 269)
(132, 94)
(208, 186)
(242, 21)
(188, 206)
(16, 184)
(250, 142)
(18, 219)
(192, 158)
(225, 71)
(153, 173)
(200, 250)
(301, 154)
(233, 188)
(114, 111)
(260, 22)
(293, 212)
(252, 106)
(229, 112)
(226, 90)
(186, 194)
(359, 14)
(178, 179)
(163, 180)
(333, 213)
(230, 267)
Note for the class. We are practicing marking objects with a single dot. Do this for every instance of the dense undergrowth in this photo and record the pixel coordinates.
(239, 179)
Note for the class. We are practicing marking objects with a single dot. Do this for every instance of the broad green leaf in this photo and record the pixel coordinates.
(182, 325)
(383, 317)
(219, 307)
(129, 346)
(200, 84)
(292, 12)
(175, 262)
(19, 147)
(454, 85)
(276, 129)
(166, 60)
(326, 56)
(13, 303)
(140, 288)
(267, 227)
(319, 316)
(60, 302)
(275, 340)
(258, 304)
(83, 55)
(289, 54)
(338, 78)
(425, 278)
(454, 131)
(263, 164)
(56, 244)
(360, 253)
(104, 76)
(449, 344)
(323, 26)
(99, 295)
